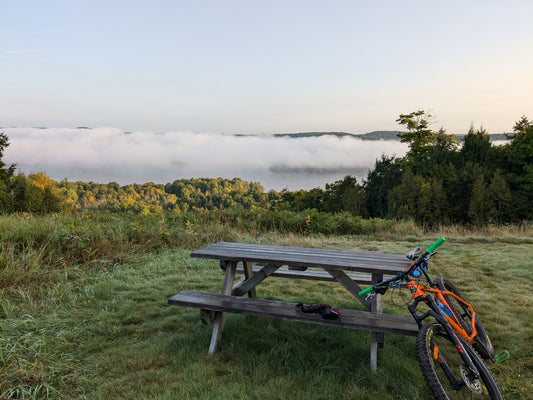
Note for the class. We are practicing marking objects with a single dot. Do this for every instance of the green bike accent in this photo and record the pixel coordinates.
(432, 248)
(502, 356)
(365, 291)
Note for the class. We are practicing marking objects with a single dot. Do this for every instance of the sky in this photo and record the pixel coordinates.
(256, 67)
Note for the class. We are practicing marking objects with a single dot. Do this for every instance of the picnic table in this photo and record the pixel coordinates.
(258, 262)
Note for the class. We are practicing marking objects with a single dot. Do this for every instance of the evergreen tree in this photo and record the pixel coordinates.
(432, 203)
(476, 147)
(500, 199)
(380, 180)
(404, 199)
(443, 149)
(522, 124)
(479, 207)
(519, 172)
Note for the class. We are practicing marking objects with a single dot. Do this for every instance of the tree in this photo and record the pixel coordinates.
(404, 199)
(500, 198)
(521, 125)
(345, 195)
(380, 180)
(476, 147)
(353, 200)
(304, 200)
(5, 172)
(519, 172)
(444, 148)
(418, 135)
(432, 203)
(479, 208)
(456, 187)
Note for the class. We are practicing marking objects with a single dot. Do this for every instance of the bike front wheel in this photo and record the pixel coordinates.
(445, 371)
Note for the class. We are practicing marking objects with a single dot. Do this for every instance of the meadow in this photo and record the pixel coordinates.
(84, 311)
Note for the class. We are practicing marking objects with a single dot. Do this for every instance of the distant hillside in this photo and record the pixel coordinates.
(380, 135)
(374, 135)
(493, 136)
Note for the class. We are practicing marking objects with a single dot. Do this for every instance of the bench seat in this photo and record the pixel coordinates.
(353, 319)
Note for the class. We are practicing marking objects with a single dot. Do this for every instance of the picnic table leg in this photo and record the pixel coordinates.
(376, 338)
(248, 272)
(220, 318)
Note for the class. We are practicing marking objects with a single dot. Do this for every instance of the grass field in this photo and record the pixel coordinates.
(84, 314)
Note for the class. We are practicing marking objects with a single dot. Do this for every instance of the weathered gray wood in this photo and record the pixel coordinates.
(220, 317)
(309, 274)
(376, 338)
(306, 257)
(352, 319)
(248, 273)
(373, 351)
(300, 262)
(207, 316)
(376, 300)
(349, 285)
(235, 285)
(254, 280)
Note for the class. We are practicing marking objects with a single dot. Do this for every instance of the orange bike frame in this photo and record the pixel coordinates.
(421, 290)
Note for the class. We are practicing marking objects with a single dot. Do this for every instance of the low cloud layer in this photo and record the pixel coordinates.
(110, 155)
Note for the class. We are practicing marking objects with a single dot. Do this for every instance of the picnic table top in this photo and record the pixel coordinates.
(362, 261)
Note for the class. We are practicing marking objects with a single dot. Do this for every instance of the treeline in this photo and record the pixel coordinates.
(439, 181)
(202, 194)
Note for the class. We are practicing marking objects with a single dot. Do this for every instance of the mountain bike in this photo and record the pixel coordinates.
(450, 346)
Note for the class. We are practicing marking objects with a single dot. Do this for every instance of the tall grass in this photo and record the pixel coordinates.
(83, 310)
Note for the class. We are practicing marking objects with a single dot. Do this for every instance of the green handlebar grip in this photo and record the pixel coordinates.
(365, 291)
(432, 248)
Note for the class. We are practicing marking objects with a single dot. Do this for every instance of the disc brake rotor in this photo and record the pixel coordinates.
(473, 384)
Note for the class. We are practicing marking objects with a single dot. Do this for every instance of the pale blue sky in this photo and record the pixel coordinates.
(265, 66)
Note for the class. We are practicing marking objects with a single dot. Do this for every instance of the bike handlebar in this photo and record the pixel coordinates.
(429, 250)
(365, 291)
(432, 248)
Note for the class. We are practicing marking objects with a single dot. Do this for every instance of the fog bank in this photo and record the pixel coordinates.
(111, 155)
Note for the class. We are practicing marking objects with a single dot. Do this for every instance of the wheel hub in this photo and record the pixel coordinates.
(473, 384)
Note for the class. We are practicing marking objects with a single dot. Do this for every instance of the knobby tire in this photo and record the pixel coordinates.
(431, 335)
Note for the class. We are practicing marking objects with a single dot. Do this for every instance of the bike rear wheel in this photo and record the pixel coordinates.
(464, 316)
(436, 351)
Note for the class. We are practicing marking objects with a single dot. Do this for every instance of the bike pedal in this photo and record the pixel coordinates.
(502, 356)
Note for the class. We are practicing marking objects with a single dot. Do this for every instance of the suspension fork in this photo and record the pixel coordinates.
(433, 312)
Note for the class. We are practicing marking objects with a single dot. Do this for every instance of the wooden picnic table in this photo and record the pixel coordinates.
(258, 262)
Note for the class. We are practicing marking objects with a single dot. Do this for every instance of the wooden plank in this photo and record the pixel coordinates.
(306, 257)
(309, 274)
(229, 249)
(352, 319)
